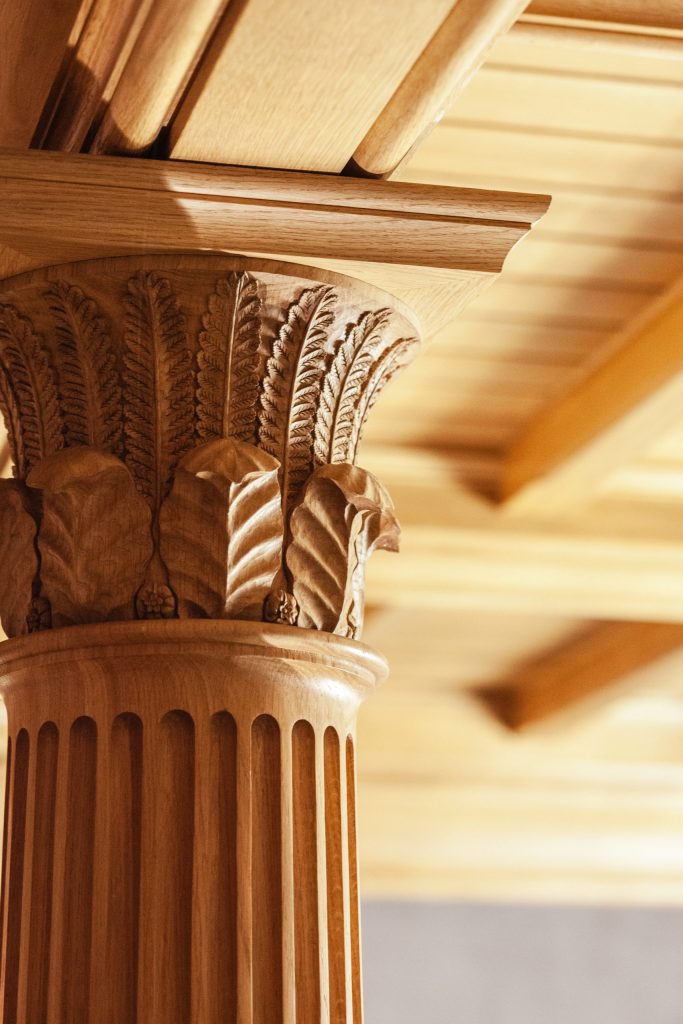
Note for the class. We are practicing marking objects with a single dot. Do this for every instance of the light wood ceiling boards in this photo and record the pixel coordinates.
(452, 803)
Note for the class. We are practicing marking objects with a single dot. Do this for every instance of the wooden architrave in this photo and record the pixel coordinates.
(431, 247)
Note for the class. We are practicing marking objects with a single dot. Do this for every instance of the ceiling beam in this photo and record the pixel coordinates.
(659, 14)
(592, 668)
(446, 65)
(606, 421)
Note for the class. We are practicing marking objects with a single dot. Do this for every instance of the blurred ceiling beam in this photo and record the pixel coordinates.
(658, 14)
(608, 419)
(592, 668)
(601, 39)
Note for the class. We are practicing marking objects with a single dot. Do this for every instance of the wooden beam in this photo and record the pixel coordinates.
(166, 52)
(603, 39)
(445, 66)
(90, 69)
(606, 421)
(576, 677)
(659, 14)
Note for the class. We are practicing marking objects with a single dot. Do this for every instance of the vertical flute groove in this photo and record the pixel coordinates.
(125, 836)
(16, 853)
(5, 845)
(171, 873)
(78, 874)
(47, 748)
(307, 944)
(335, 878)
(266, 880)
(356, 961)
(224, 937)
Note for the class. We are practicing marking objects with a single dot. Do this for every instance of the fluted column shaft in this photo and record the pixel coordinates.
(180, 825)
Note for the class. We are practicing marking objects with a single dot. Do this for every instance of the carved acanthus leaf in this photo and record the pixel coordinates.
(292, 385)
(26, 365)
(94, 539)
(88, 375)
(221, 530)
(343, 387)
(158, 384)
(9, 410)
(18, 556)
(343, 515)
(228, 379)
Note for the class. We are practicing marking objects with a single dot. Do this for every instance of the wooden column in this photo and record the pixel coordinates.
(183, 548)
(181, 824)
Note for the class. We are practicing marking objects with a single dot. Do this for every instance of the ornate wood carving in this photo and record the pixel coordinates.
(185, 430)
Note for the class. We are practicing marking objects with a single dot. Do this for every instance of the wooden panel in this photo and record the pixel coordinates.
(543, 296)
(322, 71)
(34, 37)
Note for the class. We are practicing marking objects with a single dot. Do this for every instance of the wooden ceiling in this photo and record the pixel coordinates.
(529, 743)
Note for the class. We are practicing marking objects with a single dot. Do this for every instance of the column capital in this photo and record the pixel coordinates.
(184, 430)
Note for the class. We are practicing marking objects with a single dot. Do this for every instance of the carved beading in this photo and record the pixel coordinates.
(183, 432)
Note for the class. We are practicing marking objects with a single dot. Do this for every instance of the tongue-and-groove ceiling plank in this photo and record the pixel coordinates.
(298, 85)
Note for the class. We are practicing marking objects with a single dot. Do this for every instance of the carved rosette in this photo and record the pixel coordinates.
(183, 432)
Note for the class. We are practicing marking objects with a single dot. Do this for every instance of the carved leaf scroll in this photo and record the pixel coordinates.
(343, 387)
(228, 379)
(221, 530)
(343, 516)
(88, 374)
(158, 385)
(26, 364)
(292, 384)
(94, 539)
(18, 556)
